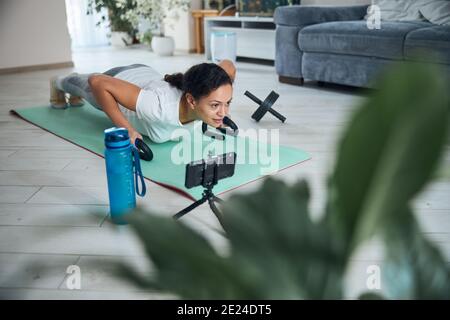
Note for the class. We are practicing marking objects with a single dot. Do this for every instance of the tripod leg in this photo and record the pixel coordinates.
(216, 211)
(190, 208)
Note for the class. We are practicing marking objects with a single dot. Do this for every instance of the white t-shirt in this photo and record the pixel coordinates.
(157, 106)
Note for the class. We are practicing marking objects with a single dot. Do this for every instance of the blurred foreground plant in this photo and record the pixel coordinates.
(385, 158)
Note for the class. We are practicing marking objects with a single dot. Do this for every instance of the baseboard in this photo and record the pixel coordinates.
(291, 80)
(266, 62)
(60, 65)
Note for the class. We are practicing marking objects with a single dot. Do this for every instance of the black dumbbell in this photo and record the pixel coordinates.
(265, 106)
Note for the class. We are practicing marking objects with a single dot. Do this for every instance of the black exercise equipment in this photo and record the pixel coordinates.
(230, 129)
(265, 106)
(145, 153)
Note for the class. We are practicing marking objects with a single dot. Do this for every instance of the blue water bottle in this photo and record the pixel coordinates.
(123, 170)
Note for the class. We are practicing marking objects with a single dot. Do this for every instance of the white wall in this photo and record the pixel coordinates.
(184, 29)
(33, 32)
(335, 2)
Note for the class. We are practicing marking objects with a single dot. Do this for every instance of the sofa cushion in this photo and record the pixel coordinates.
(354, 38)
(410, 10)
(437, 12)
(400, 10)
(429, 44)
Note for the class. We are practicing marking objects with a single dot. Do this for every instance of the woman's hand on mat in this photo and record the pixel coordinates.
(134, 135)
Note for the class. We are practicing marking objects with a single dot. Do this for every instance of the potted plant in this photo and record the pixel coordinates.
(146, 38)
(158, 14)
(123, 33)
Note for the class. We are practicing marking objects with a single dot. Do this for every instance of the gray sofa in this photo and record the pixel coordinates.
(334, 44)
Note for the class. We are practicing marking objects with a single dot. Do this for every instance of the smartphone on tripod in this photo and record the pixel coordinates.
(208, 171)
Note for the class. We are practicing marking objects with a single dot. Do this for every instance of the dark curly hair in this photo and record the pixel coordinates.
(200, 80)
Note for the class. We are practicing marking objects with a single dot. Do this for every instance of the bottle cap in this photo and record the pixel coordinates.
(116, 138)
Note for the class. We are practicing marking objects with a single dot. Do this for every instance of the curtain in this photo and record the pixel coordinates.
(82, 27)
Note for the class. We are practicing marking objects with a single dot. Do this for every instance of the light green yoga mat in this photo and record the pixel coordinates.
(84, 127)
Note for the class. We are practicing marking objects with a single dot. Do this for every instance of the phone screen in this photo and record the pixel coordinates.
(198, 171)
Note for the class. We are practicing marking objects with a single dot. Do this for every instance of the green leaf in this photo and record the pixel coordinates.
(388, 152)
(414, 267)
(284, 254)
(277, 252)
(185, 262)
(370, 296)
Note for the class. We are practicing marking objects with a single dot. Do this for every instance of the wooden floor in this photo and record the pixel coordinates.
(53, 195)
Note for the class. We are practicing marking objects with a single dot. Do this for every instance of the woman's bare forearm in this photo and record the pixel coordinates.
(108, 102)
(109, 92)
(111, 108)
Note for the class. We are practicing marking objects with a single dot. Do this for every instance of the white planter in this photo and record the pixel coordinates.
(120, 39)
(163, 46)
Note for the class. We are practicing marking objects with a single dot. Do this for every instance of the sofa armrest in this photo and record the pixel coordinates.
(300, 15)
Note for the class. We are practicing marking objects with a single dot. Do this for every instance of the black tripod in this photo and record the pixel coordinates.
(208, 195)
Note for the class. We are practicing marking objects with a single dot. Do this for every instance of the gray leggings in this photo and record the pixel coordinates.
(78, 85)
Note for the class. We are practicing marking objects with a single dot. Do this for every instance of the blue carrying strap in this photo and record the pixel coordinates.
(138, 173)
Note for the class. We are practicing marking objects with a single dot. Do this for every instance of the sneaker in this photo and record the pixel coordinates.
(57, 97)
(75, 101)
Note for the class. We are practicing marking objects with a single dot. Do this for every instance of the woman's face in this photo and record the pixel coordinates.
(214, 107)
